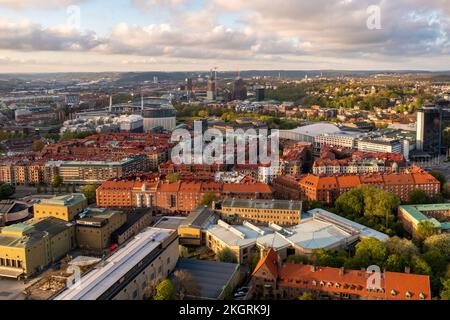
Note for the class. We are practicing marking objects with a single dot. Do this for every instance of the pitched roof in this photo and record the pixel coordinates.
(270, 261)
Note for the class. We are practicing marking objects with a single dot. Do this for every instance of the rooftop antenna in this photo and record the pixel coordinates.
(110, 102)
(142, 100)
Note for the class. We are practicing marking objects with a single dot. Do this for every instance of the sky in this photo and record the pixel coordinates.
(194, 35)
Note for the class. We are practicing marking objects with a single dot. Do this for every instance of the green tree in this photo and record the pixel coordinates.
(440, 243)
(420, 266)
(173, 177)
(351, 203)
(164, 290)
(419, 196)
(395, 263)
(402, 247)
(227, 255)
(445, 292)
(437, 261)
(209, 198)
(425, 229)
(38, 145)
(90, 193)
(6, 191)
(372, 250)
(254, 261)
(315, 205)
(57, 181)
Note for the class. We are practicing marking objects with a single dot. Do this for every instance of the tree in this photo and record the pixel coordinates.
(90, 193)
(185, 285)
(436, 260)
(419, 196)
(420, 266)
(425, 229)
(57, 181)
(209, 198)
(38, 145)
(396, 263)
(227, 255)
(440, 243)
(164, 290)
(372, 250)
(306, 296)
(327, 258)
(173, 177)
(351, 203)
(6, 191)
(402, 247)
(445, 292)
(254, 261)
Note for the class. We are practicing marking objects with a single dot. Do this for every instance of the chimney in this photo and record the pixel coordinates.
(142, 101)
(408, 270)
(313, 268)
(110, 103)
(342, 272)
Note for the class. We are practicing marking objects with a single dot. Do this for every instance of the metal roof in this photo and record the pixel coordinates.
(211, 276)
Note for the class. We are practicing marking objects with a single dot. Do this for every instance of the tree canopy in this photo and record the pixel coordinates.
(164, 290)
(227, 255)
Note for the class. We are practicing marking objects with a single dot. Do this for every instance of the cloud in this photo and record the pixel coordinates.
(27, 36)
(46, 4)
(148, 5)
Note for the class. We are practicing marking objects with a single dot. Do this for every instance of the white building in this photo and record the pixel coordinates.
(150, 257)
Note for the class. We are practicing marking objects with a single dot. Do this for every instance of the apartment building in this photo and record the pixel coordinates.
(412, 215)
(273, 279)
(328, 188)
(180, 197)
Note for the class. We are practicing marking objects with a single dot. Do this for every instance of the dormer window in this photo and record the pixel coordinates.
(338, 285)
(422, 296)
(330, 284)
(393, 293)
(322, 283)
(314, 283)
(408, 294)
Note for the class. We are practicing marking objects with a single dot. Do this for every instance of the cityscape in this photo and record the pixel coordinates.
(233, 160)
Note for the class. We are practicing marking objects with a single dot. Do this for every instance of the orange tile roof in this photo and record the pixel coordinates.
(396, 286)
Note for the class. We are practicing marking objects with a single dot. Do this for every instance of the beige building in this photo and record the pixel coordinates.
(148, 258)
(281, 212)
(95, 228)
(27, 248)
(64, 207)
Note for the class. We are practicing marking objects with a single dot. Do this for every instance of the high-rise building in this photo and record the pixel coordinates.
(239, 89)
(211, 90)
(260, 94)
(431, 123)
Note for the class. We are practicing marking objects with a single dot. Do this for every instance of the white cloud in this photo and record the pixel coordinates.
(26, 4)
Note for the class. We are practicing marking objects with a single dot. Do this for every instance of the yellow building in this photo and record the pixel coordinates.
(94, 229)
(27, 248)
(64, 207)
(280, 212)
(191, 231)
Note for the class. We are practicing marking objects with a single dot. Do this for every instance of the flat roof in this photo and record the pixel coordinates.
(363, 230)
(211, 276)
(66, 200)
(317, 129)
(110, 271)
(171, 223)
(263, 204)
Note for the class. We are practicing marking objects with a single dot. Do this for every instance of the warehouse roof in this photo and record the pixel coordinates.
(211, 276)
